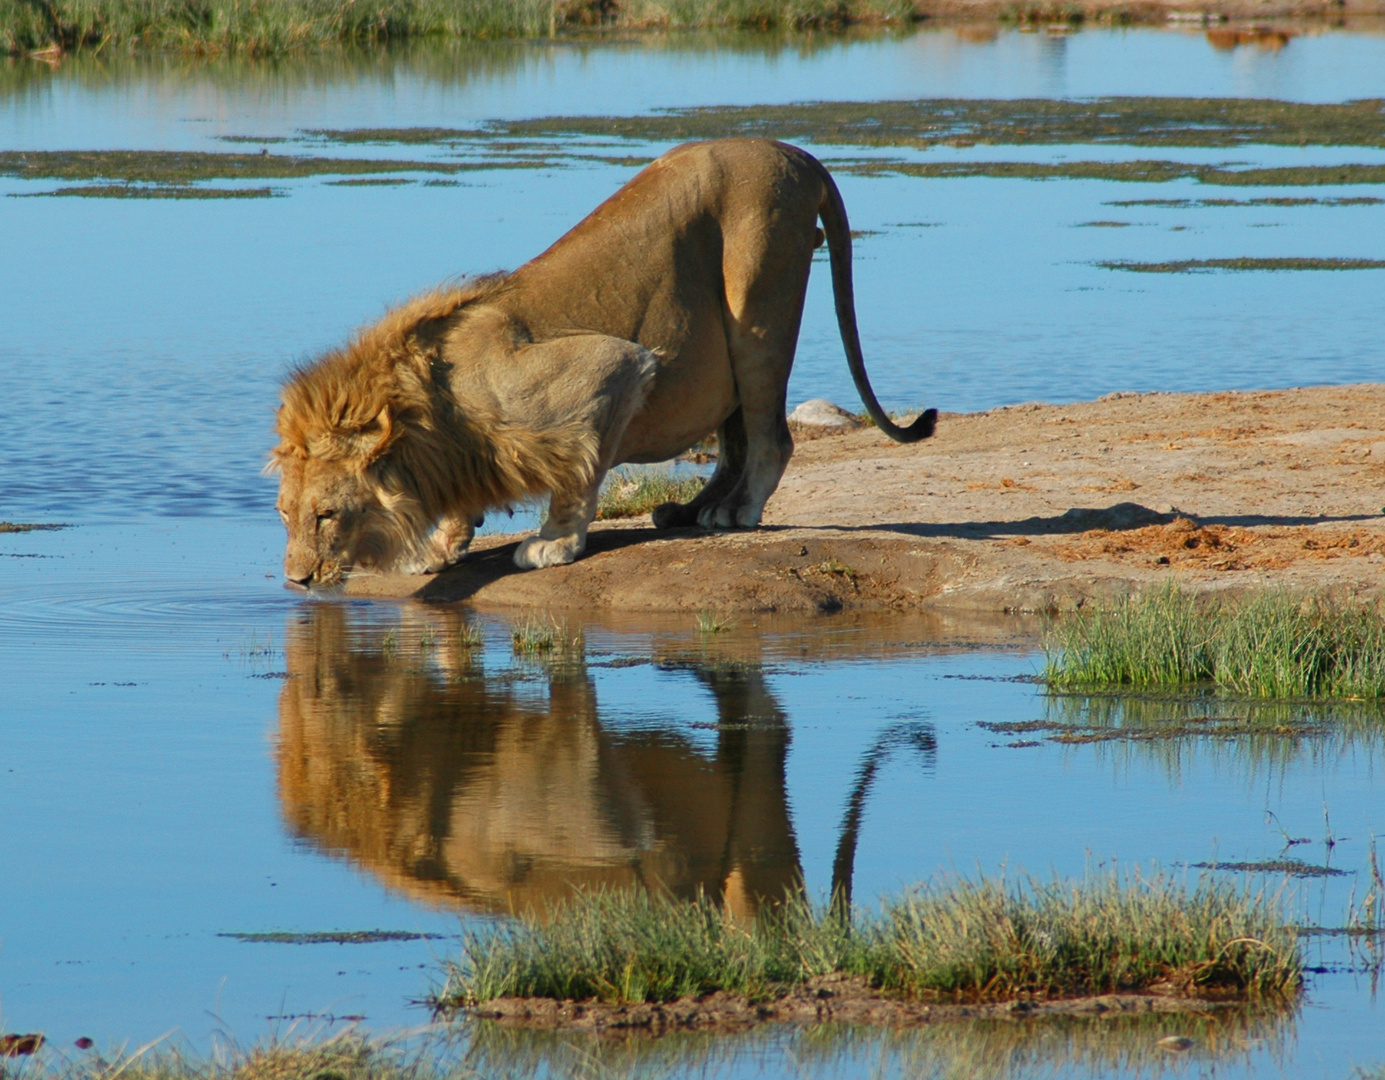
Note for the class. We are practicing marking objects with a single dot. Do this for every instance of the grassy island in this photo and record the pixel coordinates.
(957, 941)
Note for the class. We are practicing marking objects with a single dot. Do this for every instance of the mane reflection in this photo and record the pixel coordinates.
(504, 792)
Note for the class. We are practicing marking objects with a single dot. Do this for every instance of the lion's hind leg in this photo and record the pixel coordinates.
(730, 466)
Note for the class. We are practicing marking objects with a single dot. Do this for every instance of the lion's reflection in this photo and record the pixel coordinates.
(499, 794)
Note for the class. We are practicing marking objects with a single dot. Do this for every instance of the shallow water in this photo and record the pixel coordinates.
(192, 751)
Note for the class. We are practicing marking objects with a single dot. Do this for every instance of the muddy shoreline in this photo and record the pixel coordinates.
(821, 1001)
(1027, 508)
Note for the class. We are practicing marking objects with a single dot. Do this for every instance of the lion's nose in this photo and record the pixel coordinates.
(300, 582)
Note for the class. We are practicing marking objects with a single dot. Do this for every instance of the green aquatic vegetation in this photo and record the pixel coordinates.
(150, 191)
(331, 937)
(1142, 172)
(19, 527)
(632, 493)
(1274, 644)
(169, 167)
(1288, 867)
(955, 939)
(371, 181)
(1282, 200)
(1131, 121)
(283, 27)
(546, 636)
(1104, 225)
(1245, 262)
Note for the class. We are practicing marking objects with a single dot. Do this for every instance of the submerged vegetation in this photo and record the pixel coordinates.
(279, 27)
(633, 493)
(982, 940)
(1273, 644)
(1244, 262)
(1129, 121)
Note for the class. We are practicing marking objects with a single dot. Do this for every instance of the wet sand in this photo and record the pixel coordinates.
(1027, 508)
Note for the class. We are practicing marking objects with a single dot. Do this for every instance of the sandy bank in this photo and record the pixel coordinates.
(1025, 508)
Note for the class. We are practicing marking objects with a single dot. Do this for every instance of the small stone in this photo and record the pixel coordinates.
(819, 412)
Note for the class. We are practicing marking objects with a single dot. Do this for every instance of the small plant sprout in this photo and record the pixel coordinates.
(546, 636)
(711, 623)
(389, 645)
(470, 636)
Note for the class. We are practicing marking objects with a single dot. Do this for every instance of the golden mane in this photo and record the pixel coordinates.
(383, 408)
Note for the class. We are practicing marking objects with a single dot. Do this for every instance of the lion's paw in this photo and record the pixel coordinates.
(536, 552)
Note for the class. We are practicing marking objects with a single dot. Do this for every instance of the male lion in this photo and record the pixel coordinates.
(670, 312)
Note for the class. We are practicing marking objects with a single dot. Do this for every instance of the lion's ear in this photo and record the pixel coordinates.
(369, 441)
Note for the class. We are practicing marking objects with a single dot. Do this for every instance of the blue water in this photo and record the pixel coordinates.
(154, 669)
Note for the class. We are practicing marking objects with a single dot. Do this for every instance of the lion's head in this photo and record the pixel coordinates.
(375, 448)
(352, 494)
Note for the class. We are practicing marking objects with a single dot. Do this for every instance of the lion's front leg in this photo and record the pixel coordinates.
(448, 543)
(564, 533)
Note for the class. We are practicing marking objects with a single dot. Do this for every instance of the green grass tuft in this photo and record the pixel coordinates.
(958, 939)
(546, 636)
(631, 493)
(1276, 644)
(283, 27)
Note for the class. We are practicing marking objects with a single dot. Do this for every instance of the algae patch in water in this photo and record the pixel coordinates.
(19, 527)
(1144, 171)
(1289, 867)
(332, 937)
(1191, 266)
(1134, 121)
(1273, 200)
(187, 167)
(151, 191)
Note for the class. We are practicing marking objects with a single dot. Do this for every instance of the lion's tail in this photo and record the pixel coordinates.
(833, 213)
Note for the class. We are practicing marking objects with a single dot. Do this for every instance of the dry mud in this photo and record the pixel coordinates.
(828, 1000)
(1028, 508)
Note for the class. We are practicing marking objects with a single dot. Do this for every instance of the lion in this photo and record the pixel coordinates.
(668, 313)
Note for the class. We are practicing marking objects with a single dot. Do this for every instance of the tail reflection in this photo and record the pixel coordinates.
(497, 794)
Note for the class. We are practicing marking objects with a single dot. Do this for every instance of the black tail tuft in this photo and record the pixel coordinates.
(921, 428)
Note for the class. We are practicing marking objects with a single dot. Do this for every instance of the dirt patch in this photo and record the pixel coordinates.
(820, 1001)
(1025, 508)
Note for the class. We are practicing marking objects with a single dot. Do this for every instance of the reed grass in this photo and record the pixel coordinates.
(1275, 644)
(546, 636)
(280, 27)
(629, 493)
(957, 939)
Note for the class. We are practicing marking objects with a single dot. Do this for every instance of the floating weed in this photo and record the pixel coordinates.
(150, 191)
(1189, 266)
(1288, 867)
(1283, 200)
(181, 167)
(956, 939)
(1131, 121)
(330, 937)
(631, 493)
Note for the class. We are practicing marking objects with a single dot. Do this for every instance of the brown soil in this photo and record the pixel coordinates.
(1024, 508)
(834, 999)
